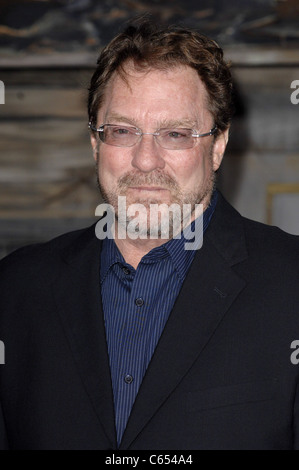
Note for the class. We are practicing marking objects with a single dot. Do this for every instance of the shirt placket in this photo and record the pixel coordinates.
(134, 335)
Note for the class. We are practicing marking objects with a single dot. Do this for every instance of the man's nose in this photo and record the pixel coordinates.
(147, 154)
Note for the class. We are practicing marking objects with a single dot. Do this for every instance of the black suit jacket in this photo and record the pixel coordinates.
(220, 378)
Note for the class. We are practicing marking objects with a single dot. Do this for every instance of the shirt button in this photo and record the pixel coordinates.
(126, 271)
(139, 302)
(128, 379)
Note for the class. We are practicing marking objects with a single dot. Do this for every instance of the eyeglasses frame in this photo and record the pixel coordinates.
(140, 133)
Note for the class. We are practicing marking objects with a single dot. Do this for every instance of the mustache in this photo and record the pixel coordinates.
(147, 179)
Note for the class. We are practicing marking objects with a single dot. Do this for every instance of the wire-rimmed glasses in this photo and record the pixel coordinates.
(128, 136)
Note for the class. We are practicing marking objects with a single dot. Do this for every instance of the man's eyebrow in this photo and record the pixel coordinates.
(183, 122)
(118, 117)
(164, 124)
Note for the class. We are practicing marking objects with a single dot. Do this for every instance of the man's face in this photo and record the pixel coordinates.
(147, 173)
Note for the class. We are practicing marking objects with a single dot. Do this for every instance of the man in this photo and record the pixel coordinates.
(136, 342)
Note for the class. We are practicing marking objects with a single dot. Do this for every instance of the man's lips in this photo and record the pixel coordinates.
(147, 188)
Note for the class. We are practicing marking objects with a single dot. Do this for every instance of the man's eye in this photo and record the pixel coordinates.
(177, 134)
(119, 131)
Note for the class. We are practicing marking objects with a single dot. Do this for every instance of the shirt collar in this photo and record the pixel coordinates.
(175, 248)
(110, 255)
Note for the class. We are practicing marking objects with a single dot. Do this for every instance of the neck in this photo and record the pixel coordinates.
(134, 250)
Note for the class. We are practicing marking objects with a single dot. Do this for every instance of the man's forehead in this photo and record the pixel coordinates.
(130, 75)
(148, 89)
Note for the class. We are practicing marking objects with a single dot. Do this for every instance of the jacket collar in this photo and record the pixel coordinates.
(77, 294)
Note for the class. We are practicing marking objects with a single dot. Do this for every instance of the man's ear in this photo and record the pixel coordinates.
(94, 145)
(219, 148)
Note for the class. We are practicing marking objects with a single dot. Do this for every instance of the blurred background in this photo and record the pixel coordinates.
(48, 51)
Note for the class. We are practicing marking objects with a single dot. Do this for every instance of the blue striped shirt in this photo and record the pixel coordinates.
(136, 305)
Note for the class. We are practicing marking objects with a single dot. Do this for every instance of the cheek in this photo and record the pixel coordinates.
(113, 163)
(191, 171)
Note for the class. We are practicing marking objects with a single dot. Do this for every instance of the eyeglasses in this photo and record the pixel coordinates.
(126, 136)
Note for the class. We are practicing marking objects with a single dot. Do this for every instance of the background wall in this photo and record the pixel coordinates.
(48, 50)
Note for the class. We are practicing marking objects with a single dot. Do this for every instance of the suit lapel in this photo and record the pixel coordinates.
(207, 293)
(77, 294)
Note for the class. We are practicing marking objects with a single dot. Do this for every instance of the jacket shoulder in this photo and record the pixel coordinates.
(270, 240)
(262, 248)
(40, 257)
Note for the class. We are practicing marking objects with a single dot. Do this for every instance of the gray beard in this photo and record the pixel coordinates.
(165, 228)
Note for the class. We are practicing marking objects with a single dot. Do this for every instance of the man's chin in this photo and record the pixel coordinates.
(146, 202)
